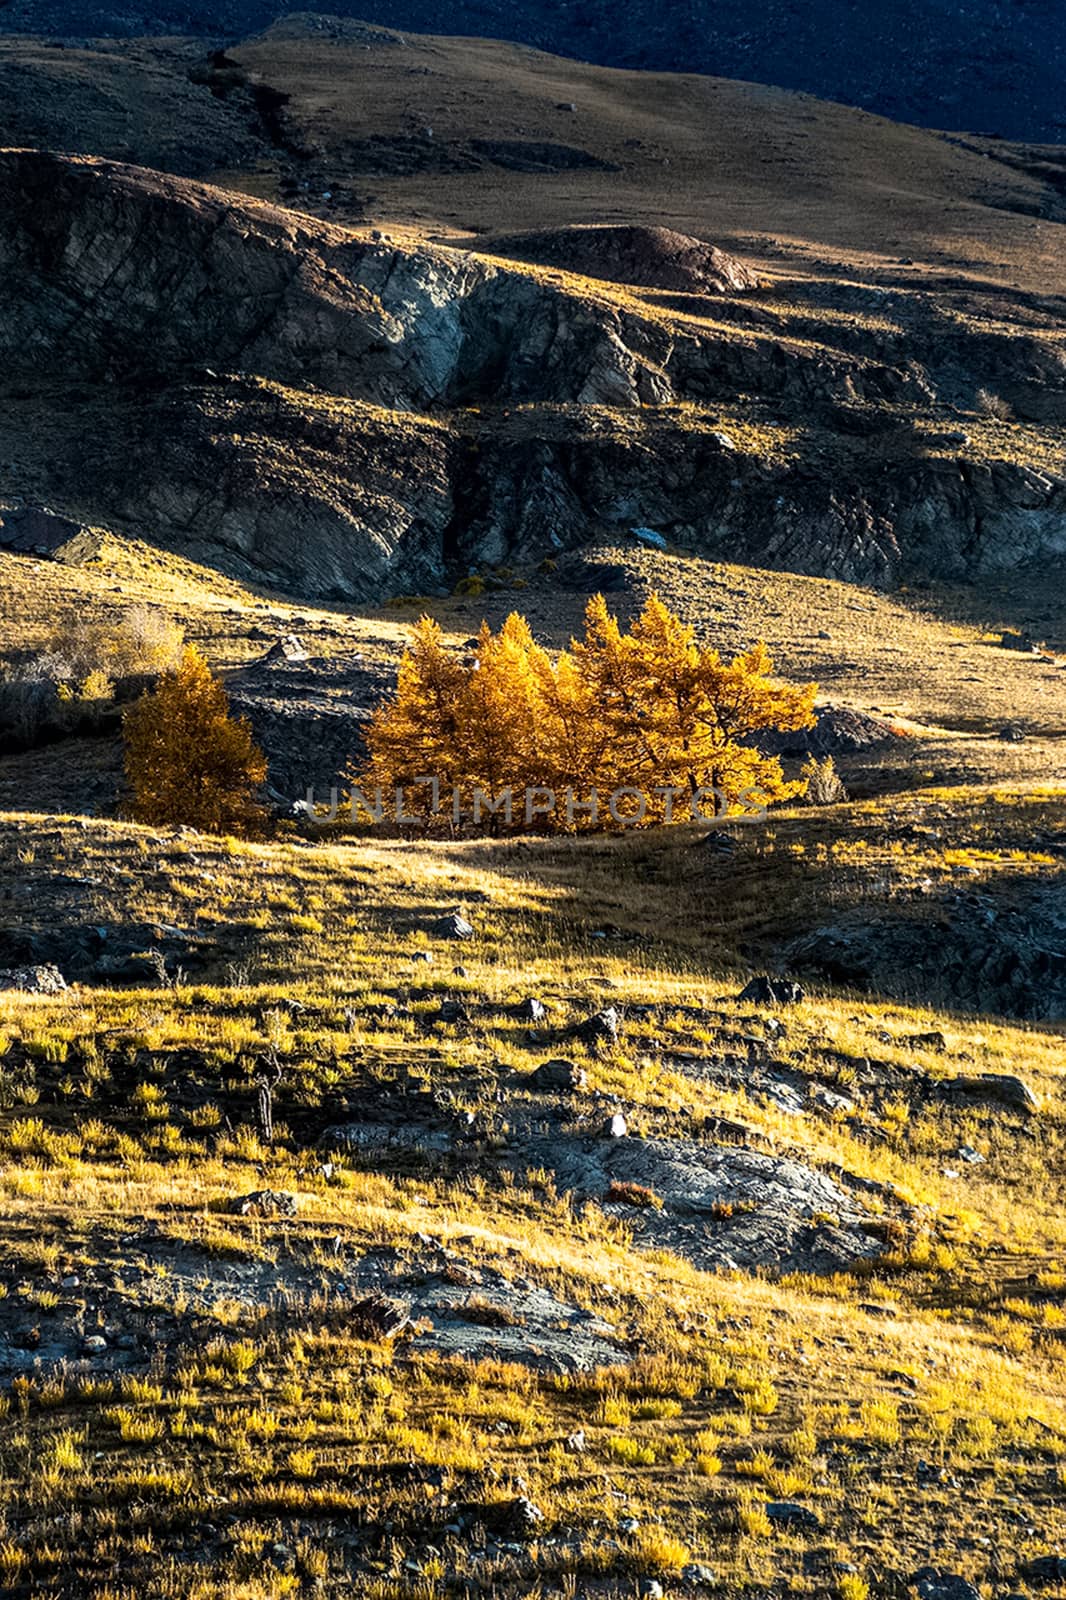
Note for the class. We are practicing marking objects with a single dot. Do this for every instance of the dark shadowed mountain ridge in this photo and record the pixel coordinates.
(981, 65)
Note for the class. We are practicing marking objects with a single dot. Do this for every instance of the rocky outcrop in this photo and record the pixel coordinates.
(720, 1207)
(333, 415)
(652, 258)
(982, 953)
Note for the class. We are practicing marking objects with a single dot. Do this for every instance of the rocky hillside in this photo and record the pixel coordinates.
(352, 414)
(984, 64)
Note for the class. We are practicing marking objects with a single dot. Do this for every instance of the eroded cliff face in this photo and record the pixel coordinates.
(343, 416)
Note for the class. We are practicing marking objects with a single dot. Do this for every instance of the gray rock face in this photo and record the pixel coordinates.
(721, 1206)
(309, 717)
(932, 1584)
(330, 414)
(371, 1139)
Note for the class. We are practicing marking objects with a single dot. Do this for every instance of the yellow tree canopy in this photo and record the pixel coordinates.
(647, 711)
(188, 761)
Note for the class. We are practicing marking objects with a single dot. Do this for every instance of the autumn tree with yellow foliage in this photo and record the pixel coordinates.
(649, 712)
(188, 760)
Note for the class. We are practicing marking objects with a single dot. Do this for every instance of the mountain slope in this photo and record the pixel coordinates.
(979, 65)
(348, 414)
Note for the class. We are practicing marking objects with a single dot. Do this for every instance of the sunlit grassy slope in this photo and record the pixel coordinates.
(127, 1125)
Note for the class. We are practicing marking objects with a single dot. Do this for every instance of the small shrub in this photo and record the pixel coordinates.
(824, 785)
(632, 1194)
(990, 404)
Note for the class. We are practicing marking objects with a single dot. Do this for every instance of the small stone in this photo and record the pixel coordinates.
(766, 991)
(599, 1030)
(652, 1588)
(699, 1576)
(967, 1153)
(530, 1010)
(934, 1585)
(616, 1128)
(787, 1514)
(558, 1077)
(453, 926)
(264, 1203)
(95, 1343)
(575, 1442)
(629, 1525)
(423, 955)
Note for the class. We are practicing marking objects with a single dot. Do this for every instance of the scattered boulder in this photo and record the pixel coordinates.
(650, 539)
(1045, 1569)
(837, 731)
(530, 1010)
(377, 1318)
(520, 1519)
(765, 991)
(517, 1519)
(995, 1088)
(453, 926)
(932, 1584)
(787, 1514)
(287, 649)
(34, 980)
(599, 1031)
(453, 1011)
(719, 843)
(557, 1077)
(264, 1203)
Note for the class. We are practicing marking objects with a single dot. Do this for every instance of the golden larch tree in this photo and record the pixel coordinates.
(188, 760)
(649, 711)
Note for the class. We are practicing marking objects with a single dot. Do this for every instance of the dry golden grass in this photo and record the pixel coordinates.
(827, 1391)
(782, 178)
